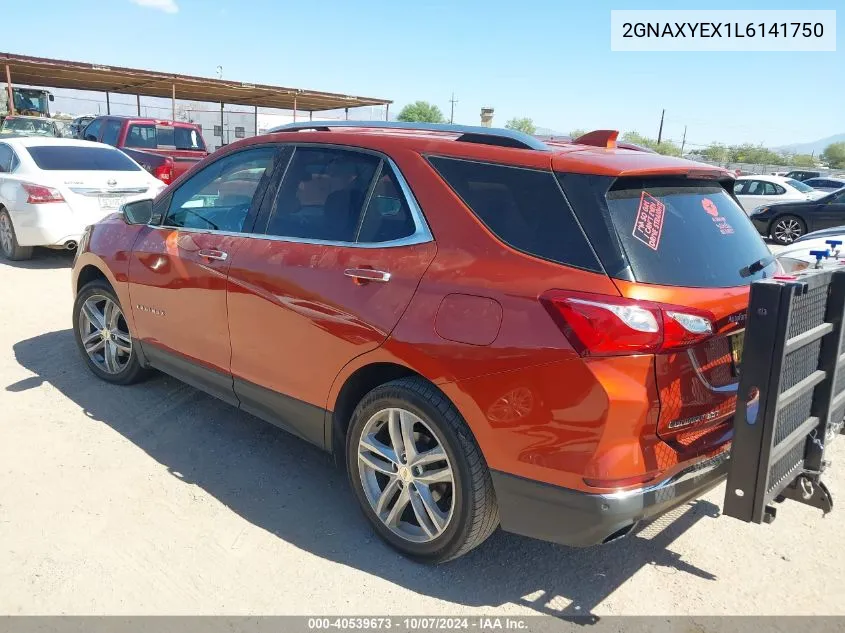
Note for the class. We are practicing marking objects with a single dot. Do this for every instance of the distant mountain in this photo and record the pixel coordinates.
(816, 146)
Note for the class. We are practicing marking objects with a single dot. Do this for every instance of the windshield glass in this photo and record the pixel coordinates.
(686, 233)
(80, 158)
(30, 101)
(800, 186)
(30, 127)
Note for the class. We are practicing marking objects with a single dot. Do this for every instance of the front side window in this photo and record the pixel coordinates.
(92, 132)
(111, 130)
(323, 194)
(524, 208)
(219, 197)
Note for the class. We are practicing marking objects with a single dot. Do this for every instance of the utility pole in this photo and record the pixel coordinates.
(683, 142)
(660, 131)
(453, 101)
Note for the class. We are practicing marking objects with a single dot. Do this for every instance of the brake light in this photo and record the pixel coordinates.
(39, 194)
(603, 325)
(164, 172)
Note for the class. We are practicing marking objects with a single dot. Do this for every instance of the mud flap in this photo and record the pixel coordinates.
(791, 398)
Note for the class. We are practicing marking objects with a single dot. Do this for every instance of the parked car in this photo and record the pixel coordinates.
(826, 183)
(481, 352)
(786, 222)
(30, 126)
(51, 189)
(758, 190)
(167, 149)
(80, 123)
(802, 174)
(802, 253)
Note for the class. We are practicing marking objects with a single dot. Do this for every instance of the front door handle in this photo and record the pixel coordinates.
(363, 275)
(213, 254)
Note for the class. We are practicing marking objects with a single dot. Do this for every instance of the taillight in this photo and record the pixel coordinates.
(164, 172)
(39, 194)
(604, 325)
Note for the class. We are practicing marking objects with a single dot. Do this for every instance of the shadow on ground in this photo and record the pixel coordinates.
(293, 490)
(43, 259)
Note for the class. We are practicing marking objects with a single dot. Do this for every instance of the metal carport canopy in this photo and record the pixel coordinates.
(57, 73)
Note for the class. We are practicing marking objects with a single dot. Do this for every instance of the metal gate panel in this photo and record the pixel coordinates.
(791, 398)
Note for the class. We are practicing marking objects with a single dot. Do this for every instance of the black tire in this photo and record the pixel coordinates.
(13, 252)
(797, 228)
(132, 372)
(475, 513)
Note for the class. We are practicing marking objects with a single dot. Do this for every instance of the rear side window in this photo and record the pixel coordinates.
(523, 207)
(76, 158)
(679, 232)
(150, 136)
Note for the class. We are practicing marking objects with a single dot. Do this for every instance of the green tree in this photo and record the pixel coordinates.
(576, 133)
(421, 112)
(523, 125)
(716, 152)
(667, 147)
(834, 155)
(748, 153)
(802, 160)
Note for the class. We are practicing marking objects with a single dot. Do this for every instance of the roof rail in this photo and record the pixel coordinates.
(468, 133)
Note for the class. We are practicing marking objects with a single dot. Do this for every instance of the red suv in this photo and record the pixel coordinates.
(487, 329)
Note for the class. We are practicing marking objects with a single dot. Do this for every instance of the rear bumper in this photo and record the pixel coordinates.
(580, 519)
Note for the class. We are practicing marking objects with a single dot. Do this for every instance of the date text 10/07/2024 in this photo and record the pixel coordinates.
(418, 623)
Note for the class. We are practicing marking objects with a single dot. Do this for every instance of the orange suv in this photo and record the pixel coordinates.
(486, 328)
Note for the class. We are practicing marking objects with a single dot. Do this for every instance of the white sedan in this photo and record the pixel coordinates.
(759, 190)
(52, 188)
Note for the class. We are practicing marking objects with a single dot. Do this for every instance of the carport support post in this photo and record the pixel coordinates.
(9, 90)
(256, 121)
(387, 112)
(347, 113)
(310, 115)
(173, 103)
(138, 101)
(294, 108)
(108, 104)
(221, 124)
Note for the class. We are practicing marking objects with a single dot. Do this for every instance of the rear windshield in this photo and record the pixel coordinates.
(800, 186)
(686, 233)
(77, 158)
(149, 136)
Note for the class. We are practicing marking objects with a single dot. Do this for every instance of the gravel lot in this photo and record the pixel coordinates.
(159, 499)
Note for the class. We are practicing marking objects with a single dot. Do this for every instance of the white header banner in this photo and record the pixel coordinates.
(723, 30)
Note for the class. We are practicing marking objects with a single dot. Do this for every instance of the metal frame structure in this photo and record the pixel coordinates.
(467, 133)
(791, 398)
(58, 73)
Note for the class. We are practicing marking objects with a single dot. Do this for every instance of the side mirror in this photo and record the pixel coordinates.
(140, 212)
(386, 206)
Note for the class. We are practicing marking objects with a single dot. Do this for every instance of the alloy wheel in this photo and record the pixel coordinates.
(406, 475)
(787, 230)
(104, 334)
(6, 236)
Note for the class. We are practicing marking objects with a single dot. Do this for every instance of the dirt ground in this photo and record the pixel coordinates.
(159, 499)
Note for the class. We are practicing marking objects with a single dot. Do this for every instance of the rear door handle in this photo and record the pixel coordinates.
(213, 254)
(367, 274)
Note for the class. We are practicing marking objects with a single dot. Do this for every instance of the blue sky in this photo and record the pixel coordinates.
(548, 60)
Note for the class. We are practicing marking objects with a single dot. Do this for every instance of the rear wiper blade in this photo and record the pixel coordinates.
(757, 266)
